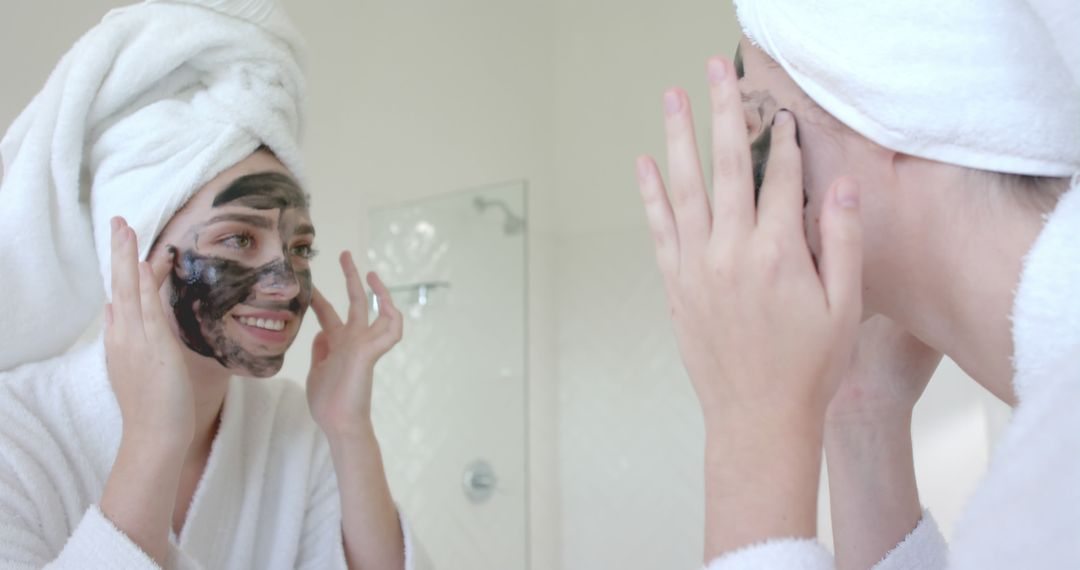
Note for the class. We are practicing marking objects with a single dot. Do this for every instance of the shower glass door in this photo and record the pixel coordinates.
(450, 401)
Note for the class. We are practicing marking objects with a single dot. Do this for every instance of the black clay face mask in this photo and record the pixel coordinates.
(207, 287)
(759, 158)
(763, 104)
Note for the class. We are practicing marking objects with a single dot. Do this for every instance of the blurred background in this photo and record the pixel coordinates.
(479, 155)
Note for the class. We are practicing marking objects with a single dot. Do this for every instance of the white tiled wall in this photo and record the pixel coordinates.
(454, 391)
(630, 430)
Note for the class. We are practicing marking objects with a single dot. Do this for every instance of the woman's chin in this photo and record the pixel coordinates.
(263, 368)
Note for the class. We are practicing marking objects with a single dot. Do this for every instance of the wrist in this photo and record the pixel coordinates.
(767, 419)
(356, 432)
(854, 425)
(875, 444)
(761, 477)
(157, 449)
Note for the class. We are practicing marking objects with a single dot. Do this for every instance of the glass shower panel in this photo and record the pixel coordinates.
(450, 400)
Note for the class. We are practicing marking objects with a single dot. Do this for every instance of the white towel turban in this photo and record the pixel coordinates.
(987, 84)
(145, 109)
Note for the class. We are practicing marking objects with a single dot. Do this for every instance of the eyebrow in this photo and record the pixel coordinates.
(304, 229)
(260, 222)
(263, 191)
(739, 71)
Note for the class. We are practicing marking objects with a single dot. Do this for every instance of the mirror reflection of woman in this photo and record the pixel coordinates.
(160, 165)
(907, 167)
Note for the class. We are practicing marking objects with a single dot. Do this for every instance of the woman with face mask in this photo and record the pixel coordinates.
(159, 168)
(908, 167)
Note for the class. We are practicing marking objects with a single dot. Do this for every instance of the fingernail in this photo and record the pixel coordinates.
(847, 195)
(782, 117)
(642, 169)
(672, 102)
(717, 71)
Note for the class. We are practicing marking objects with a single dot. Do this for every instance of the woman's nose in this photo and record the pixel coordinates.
(278, 280)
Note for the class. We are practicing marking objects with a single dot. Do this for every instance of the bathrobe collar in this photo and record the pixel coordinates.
(1046, 313)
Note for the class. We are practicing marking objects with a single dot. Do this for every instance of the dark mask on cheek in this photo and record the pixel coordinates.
(759, 158)
(206, 288)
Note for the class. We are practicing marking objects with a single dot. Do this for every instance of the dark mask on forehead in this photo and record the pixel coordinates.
(207, 287)
(264, 191)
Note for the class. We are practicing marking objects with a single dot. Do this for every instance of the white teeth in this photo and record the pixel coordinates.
(268, 324)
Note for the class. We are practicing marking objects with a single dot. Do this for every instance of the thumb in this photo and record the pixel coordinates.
(841, 245)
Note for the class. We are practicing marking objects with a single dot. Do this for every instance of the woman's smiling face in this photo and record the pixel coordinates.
(241, 280)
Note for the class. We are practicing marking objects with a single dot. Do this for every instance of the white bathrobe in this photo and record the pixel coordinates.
(268, 498)
(1026, 512)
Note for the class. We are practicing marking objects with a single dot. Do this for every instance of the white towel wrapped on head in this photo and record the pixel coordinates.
(146, 108)
(981, 84)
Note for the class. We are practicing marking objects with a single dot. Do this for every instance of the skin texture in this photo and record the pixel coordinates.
(239, 248)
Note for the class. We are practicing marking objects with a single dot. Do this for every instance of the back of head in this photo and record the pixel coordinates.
(980, 84)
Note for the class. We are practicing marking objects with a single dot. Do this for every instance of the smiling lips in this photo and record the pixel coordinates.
(267, 324)
(267, 327)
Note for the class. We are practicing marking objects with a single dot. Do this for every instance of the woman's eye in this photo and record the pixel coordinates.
(304, 251)
(239, 241)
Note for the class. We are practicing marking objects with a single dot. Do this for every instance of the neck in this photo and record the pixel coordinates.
(962, 267)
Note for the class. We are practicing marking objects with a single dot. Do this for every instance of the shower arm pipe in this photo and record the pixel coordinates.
(419, 288)
(411, 287)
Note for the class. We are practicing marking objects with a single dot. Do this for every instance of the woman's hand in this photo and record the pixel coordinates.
(344, 354)
(339, 393)
(760, 328)
(150, 380)
(763, 331)
(144, 358)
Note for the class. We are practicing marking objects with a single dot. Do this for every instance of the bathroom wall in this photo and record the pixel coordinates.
(32, 39)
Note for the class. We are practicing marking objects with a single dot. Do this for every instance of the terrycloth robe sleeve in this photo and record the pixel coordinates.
(924, 548)
(95, 544)
(787, 553)
(98, 543)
